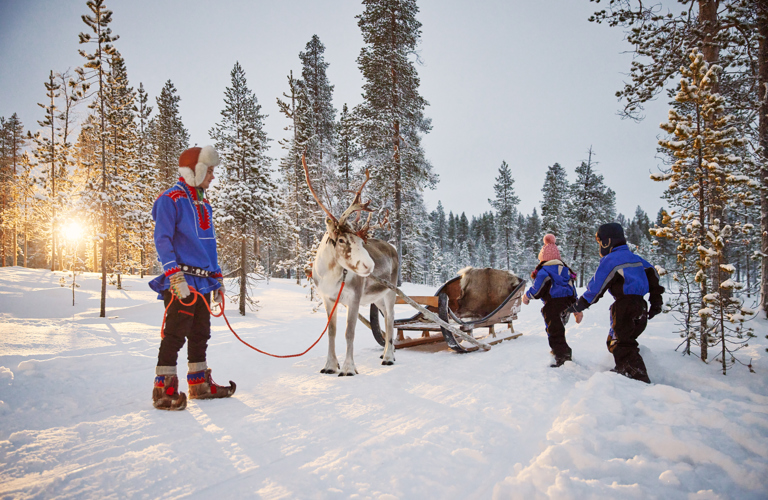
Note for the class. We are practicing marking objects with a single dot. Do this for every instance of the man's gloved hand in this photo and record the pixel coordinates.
(578, 306)
(653, 311)
(611, 342)
(218, 294)
(525, 299)
(179, 285)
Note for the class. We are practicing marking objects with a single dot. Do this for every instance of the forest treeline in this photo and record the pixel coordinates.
(76, 194)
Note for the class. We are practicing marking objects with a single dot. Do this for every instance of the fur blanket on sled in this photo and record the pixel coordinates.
(483, 290)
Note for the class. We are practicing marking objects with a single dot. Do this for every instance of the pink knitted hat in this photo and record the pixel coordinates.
(549, 251)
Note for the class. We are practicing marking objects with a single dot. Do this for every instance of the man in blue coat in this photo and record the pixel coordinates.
(628, 278)
(186, 247)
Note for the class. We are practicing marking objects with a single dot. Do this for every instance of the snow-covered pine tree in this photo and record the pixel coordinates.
(46, 152)
(72, 93)
(705, 182)
(13, 143)
(440, 267)
(321, 113)
(488, 228)
(5, 184)
(685, 298)
(26, 202)
(139, 217)
(439, 226)
(121, 150)
(245, 207)
(302, 217)
(391, 118)
(347, 148)
(590, 203)
(94, 72)
(86, 177)
(481, 254)
(554, 203)
(413, 264)
(532, 241)
(729, 33)
(169, 137)
(637, 229)
(505, 203)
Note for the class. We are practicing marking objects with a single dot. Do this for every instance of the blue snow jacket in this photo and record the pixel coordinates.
(184, 235)
(622, 273)
(553, 280)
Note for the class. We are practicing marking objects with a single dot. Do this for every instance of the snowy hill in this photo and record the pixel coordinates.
(76, 419)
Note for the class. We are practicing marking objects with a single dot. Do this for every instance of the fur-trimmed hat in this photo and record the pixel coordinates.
(609, 236)
(194, 163)
(549, 251)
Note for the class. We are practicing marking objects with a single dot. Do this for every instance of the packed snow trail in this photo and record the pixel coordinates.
(76, 418)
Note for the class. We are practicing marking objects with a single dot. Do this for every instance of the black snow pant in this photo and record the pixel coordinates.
(192, 323)
(553, 321)
(629, 317)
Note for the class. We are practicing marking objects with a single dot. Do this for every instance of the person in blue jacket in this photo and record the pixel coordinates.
(186, 247)
(553, 284)
(628, 278)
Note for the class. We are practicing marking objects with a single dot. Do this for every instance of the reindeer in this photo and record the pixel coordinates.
(349, 255)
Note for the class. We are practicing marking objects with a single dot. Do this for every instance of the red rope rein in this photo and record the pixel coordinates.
(197, 294)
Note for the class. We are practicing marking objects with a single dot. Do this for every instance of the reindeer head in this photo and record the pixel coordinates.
(348, 243)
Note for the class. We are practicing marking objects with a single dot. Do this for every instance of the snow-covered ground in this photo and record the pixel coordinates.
(76, 419)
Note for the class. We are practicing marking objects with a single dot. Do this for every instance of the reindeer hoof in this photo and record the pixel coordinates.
(387, 363)
(325, 370)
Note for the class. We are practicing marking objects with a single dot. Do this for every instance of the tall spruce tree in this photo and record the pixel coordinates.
(139, 217)
(169, 137)
(301, 214)
(532, 240)
(46, 152)
(5, 185)
(94, 71)
(729, 33)
(505, 203)
(121, 146)
(590, 204)
(391, 118)
(554, 202)
(14, 142)
(348, 149)
(245, 192)
(321, 113)
(705, 182)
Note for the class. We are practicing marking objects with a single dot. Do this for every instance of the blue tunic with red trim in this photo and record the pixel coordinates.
(184, 235)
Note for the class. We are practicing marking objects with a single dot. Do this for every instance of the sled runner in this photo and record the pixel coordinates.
(468, 308)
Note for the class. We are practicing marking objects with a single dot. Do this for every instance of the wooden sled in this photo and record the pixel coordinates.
(445, 303)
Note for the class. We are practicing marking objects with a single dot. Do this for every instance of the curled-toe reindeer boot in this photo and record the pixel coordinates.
(202, 386)
(166, 395)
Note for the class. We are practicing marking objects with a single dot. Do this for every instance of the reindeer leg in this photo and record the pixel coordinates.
(387, 305)
(332, 363)
(349, 362)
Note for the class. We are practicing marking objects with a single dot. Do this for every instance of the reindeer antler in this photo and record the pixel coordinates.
(357, 204)
(363, 231)
(312, 190)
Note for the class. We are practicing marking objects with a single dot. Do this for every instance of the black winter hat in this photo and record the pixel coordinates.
(610, 236)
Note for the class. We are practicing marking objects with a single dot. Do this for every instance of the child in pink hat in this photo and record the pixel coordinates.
(554, 285)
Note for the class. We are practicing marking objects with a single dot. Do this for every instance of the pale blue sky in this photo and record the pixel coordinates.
(531, 83)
